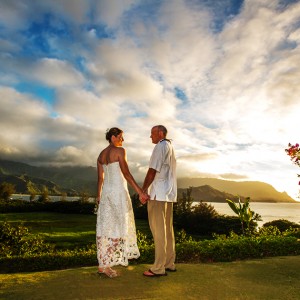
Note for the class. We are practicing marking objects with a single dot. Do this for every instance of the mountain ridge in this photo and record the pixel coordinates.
(257, 191)
(79, 179)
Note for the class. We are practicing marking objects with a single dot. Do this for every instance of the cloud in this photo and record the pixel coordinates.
(222, 77)
(56, 73)
(197, 157)
(111, 12)
(86, 108)
(230, 176)
(70, 155)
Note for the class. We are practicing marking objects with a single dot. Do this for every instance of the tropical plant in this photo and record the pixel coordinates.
(245, 214)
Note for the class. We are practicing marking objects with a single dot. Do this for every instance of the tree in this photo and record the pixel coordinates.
(6, 190)
(63, 196)
(32, 196)
(84, 197)
(183, 209)
(184, 205)
(44, 197)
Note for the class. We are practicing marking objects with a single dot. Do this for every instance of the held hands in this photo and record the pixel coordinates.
(144, 197)
(96, 205)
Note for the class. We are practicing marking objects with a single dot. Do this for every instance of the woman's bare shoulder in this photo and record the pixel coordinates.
(102, 155)
(121, 150)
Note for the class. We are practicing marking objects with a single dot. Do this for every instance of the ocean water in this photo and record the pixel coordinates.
(268, 211)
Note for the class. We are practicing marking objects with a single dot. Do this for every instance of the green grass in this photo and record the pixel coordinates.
(66, 231)
(272, 278)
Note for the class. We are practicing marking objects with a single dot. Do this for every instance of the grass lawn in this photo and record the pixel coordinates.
(272, 278)
(66, 231)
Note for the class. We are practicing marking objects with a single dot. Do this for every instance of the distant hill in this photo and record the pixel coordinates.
(74, 180)
(206, 193)
(256, 190)
(25, 184)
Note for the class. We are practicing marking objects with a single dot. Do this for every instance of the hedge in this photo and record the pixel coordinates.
(218, 250)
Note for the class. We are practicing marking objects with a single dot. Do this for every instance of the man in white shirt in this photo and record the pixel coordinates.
(162, 188)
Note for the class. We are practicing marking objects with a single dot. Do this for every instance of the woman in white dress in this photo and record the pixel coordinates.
(115, 230)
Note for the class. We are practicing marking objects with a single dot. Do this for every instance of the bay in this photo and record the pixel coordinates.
(268, 211)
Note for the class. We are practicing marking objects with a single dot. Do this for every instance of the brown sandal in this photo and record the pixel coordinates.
(149, 273)
(109, 272)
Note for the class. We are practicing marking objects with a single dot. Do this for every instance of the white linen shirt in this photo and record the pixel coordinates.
(164, 185)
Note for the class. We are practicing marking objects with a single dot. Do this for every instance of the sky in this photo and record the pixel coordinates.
(221, 75)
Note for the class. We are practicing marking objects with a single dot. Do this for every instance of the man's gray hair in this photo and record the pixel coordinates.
(163, 129)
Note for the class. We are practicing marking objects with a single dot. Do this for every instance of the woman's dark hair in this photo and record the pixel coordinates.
(114, 131)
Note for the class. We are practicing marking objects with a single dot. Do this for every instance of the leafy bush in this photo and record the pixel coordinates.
(236, 247)
(203, 219)
(222, 248)
(203, 225)
(17, 241)
(274, 230)
(48, 261)
(74, 207)
(282, 225)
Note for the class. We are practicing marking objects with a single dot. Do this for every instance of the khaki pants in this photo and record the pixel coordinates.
(160, 215)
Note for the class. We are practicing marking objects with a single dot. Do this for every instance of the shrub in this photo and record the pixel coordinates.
(203, 225)
(222, 248)
(74, 207)
(17, 241)
(236, 247)
(48, 261)
(282, 225)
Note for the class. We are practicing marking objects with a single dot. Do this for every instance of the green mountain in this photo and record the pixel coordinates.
(256, 190)
(71, 180)
(74, 180)
(206, 193)
(25, 185)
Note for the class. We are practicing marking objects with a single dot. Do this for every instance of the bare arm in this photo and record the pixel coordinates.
(125, 170)
(100, 180)
(149, 178)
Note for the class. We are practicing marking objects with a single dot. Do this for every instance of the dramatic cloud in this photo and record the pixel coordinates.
(221, 75)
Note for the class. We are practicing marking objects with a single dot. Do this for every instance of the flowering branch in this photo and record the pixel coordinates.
(294, 153)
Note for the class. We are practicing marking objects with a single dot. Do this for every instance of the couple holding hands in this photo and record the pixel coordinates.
(115, 230)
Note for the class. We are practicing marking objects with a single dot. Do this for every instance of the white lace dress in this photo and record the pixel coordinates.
(115, 230)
